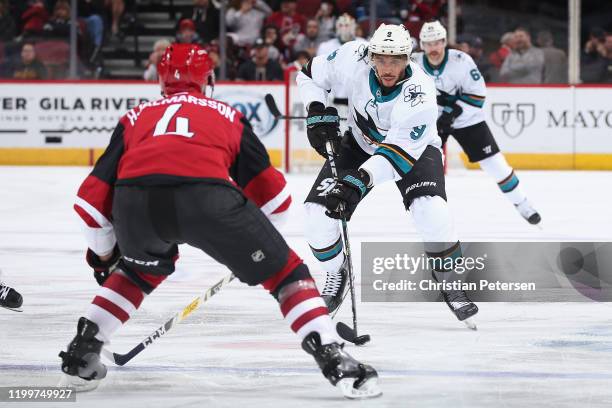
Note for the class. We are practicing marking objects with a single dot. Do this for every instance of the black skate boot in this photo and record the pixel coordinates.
(355, 380)
(10, 298)
(335, 289)
(82, 359)
(528, 212)
(461, 306)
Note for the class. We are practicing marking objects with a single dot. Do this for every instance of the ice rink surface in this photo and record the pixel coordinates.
(237, 351)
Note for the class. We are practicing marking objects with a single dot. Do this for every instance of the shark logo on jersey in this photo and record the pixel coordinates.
(367, 126)
(414, 95)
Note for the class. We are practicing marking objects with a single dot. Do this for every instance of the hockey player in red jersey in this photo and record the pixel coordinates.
(189, 169)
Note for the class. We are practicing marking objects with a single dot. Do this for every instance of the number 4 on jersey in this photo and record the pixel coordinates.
(182, 124)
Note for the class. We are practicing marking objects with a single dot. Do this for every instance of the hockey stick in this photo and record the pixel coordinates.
(122, 359)
(271, 104)
(343, 329)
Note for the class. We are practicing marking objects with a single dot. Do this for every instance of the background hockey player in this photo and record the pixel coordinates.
(461, 97)
(189, 169)
(346, 28)
(392, 137)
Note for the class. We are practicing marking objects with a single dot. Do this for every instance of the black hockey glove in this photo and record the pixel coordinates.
(445, 121)
(323, 124)
(103, 269)
(342, 200)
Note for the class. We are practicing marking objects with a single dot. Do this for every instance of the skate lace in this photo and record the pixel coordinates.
(332, 284)
(457, 299)
(4, 291)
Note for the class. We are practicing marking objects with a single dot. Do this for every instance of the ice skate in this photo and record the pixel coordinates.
(81, 362)
(461, 306)
(355, 380)
(528, 212)
(335, 289)
(10, 298)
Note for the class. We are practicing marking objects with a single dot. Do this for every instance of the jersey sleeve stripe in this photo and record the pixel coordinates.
(401, 161)
(473, 100)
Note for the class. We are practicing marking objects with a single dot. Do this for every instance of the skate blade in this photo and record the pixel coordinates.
(14, 309)
(369, 389)
(470, 323)
(79, 384)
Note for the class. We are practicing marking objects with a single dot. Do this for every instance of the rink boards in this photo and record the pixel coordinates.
(69, 123)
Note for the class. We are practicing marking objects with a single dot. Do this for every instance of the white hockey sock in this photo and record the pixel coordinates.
(305, 311)
(115, 302)
(323, 236)
(433, 220)
(497, 167)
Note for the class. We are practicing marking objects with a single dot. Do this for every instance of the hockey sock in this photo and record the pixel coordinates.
(116, 301)
(301, 304)
(323, 235)
(497, 167)
(443, 260)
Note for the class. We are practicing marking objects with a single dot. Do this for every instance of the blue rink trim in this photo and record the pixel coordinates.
(272, 371)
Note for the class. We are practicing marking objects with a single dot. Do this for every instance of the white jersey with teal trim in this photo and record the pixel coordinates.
(458, 78)
(397, 126)
(326, 48)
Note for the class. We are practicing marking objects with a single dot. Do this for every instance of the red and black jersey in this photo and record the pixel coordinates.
(183, 138)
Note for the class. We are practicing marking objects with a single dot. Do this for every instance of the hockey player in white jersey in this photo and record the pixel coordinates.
(345, 32)
(392, 137)
(461, 95)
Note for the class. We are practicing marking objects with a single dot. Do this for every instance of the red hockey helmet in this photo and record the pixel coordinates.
(185, 67)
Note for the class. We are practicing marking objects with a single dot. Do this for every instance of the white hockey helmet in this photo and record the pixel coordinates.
(390, 39)
(432, 32)
(345, 28)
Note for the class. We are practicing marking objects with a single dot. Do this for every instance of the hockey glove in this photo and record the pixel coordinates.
(445, 121)
(103, 269)
(342, 200)
(323, 124)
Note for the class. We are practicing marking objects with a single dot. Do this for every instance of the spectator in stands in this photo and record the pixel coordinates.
(498, 57)
(59, 23)
(290, 23)
(186, 33)
(608, 67)
(474, 49)
(91, 12)
(270, 36)
(260, 67)
(555, 59)
(159, 47)
(593, 59)
(245, 20)
(387, 10)
(301, 58)
(309, 41)
(29, 67)
(34, 18)
(326, 16)
(213, 53)
(117, 7)
(525, 64)
(7, 23)
(205, 17)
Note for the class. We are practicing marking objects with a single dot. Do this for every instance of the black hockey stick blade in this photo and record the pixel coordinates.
(348, 334)
(271, 104)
